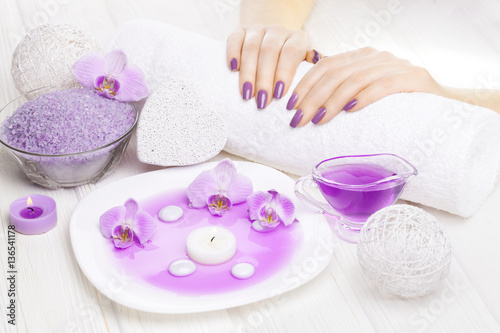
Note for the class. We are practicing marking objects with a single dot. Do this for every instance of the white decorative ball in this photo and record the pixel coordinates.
(404, 250)
(45, 56)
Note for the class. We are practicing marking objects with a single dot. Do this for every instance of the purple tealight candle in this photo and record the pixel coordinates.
(34, 214)
(30, 212)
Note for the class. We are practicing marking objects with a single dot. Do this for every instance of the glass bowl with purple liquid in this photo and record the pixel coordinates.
(65, 138)
(354, 188)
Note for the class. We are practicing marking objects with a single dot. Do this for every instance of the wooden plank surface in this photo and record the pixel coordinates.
(456, 40)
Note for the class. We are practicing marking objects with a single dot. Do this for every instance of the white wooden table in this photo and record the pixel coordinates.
(458, 41)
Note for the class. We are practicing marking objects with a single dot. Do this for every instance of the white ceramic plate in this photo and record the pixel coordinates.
(310, 258)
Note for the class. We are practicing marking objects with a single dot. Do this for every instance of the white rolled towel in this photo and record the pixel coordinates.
(455, 146)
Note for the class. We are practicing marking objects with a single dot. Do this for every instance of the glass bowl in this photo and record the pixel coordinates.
(65, 170)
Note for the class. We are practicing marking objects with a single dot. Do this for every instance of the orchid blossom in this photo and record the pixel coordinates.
(110, 76)
(268, 209)
(123, 223)
(219, 188)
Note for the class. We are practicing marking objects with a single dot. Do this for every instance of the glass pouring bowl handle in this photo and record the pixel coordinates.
(300, 192)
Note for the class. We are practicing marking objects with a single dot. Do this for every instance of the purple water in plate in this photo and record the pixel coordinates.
(357, 204)
(268, 252)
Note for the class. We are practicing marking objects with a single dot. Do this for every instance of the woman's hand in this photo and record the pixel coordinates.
(352, 80)
(267, 57)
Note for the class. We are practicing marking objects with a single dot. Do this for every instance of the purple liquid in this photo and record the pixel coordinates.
(358, 204)
(268, 252)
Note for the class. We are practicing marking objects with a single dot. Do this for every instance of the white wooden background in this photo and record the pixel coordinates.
(458, 41)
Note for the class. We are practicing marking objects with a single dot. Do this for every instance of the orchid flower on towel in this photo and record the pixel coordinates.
(111, 76)
(123, 223)
(268, 209)
(219, 188)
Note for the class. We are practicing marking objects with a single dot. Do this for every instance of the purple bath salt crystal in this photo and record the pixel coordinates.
(67, 121)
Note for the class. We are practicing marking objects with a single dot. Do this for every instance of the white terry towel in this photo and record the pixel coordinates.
(455, 146)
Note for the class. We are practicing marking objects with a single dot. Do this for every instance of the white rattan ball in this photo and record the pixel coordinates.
(404, 250)
(45, 56)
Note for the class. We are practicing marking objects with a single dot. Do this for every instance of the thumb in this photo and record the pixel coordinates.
(313, 56)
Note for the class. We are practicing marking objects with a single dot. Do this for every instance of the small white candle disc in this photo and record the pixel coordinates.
(210, 245)
(182, 267)
(243, 270)
(170, 213)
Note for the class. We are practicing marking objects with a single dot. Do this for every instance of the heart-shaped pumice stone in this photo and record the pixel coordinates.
(177, 127)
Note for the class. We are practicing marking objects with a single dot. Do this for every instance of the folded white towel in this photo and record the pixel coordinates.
(454, 146)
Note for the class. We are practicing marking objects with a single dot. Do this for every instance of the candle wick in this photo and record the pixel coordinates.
(212, 239)
(32, 210)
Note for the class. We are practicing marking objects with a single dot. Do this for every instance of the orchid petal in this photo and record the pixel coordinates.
(257, 226)
(218, 205)
(123, 236)
(285, 209)
(239, 189)
(131, 208)
(255, 201)
(115, 62)
(225, 172)
(106, 94)
(99, 81)
(87, 68)
(144, 226)
(111, 219)
(121, 244)
(133, 85)
(106, 86)
(268, 216)
(201, 188)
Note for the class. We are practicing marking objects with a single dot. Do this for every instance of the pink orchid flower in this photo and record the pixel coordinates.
(123, 223)
(268, 209)
(110, 76)
(219, 188)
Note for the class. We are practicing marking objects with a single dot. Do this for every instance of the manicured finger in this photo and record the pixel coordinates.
(313, 56)
(317, 96)
(268, 60)
(391, 84)
(292, 54)
(249, 60)
(233, 48)
(336, 88)
(307, 82)
(330, 64)
(344, 97)
(325, 87)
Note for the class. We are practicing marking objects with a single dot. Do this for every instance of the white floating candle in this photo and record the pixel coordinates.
(243, 270)
(181, 267)
(170, 213)
(211, 245)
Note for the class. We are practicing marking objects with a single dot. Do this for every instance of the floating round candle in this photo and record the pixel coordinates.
(170, 213)
(182, 267)
(243, 270)
(34, 214)
(211, 245)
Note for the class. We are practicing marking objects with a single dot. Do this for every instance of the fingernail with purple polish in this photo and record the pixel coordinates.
(247, 90)
(316, 57)
(297, 118)
(350, 105)
(278, 89)
(319, 115)
(261, 99)
(291, 101)
(234, 64)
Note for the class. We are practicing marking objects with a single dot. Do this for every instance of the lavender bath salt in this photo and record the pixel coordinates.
(69, 137)
(67, 121)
